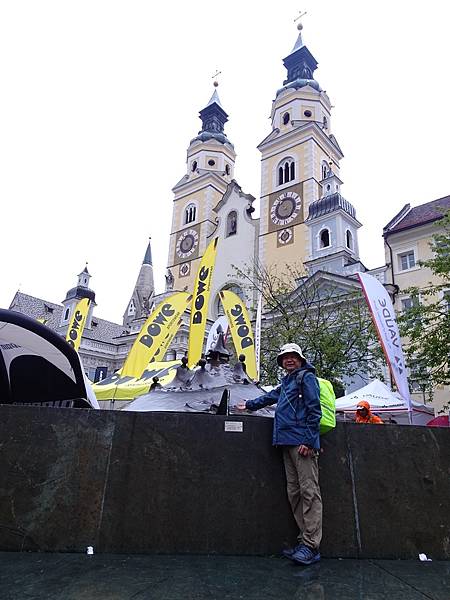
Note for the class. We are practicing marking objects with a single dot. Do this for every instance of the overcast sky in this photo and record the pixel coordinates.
(100, 99)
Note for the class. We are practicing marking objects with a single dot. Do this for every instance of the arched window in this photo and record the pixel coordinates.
(189, 213)
(325, 238)
(286, 171)
(325, 123)
(194, 166)
(66, 314)
(286, 118)
(280, 176)
(231, 223)
(349, 239)
(324, 169)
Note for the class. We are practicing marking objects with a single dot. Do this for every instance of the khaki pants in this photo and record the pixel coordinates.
(302, 474)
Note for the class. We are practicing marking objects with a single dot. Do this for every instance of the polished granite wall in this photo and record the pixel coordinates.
(180, 483)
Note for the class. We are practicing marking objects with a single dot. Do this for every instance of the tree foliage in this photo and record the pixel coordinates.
(426, 325)
(332, 326)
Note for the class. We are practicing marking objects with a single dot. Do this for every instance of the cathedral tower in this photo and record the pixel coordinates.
(333, 231)
(210, 167)
(295, 159)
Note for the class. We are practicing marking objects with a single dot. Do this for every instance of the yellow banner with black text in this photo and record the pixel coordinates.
(241, 330)
(156, 334)
(77, 323)
(200, 301)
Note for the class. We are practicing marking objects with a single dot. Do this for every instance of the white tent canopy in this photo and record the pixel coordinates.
(37, 366)
(385, 403)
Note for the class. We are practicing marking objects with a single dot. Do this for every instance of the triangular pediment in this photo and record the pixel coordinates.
(327, 284)
(334, 141)
(272, 136)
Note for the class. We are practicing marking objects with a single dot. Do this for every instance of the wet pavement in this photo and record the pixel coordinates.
(26, 576)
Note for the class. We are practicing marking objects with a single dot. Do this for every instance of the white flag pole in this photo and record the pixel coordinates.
(258, 335)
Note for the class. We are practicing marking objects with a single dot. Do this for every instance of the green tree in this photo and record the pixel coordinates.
(426, 325)
(332, 325)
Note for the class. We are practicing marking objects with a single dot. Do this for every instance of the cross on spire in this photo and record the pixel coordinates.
(300, 15)
(216, 74)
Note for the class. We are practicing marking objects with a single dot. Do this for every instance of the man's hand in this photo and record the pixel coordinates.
(304, 450)
(241, 406)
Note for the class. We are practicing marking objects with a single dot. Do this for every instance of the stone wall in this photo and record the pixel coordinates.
(180, 483)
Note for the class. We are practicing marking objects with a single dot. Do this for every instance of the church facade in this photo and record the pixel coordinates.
(304, 220)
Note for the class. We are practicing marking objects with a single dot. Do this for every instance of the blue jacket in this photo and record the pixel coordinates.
(298, 413)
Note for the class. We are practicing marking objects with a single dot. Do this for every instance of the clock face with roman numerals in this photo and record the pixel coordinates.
(187, 243)
(285, 208)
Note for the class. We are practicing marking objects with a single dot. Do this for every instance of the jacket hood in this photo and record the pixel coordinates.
(309, 367)
(364, 404)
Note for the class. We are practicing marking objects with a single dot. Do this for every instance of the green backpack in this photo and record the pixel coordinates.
(327, 404)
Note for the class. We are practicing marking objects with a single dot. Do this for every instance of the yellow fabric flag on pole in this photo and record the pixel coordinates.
(77, 323)
(161, 352)
(241, 330)
(163, 322)
(200, 301)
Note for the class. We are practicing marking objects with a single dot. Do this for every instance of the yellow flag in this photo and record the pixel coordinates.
(77, 323)
(162, 322)
(200, 300)
(160, 353)
(241, 330)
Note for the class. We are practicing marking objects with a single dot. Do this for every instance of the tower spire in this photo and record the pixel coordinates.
(140, 303)
(300, 63)
(299, 43)
(213, 118)
(148, 254)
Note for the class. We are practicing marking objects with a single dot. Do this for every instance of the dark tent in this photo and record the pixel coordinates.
(37, 366)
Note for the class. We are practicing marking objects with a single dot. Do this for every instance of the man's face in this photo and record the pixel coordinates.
(363, 411)
(291, 361)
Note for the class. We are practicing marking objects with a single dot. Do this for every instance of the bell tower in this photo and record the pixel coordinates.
(295, 158)
(210, 168)
(333, 231)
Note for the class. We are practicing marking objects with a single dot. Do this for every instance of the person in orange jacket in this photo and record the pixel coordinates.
(364, 414)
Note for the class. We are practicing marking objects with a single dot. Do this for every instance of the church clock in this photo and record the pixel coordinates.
(285, 208)
(187, 243)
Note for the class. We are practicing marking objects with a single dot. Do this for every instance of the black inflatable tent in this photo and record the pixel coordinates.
(37, 366)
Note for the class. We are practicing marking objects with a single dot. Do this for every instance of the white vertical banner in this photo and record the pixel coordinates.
(220, 324)
(383, 316)
(258, 335)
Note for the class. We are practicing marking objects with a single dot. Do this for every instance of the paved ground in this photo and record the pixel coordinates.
(25, 576)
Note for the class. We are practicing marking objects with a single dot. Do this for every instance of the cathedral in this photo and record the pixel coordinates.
(305, 222)
(304, 219)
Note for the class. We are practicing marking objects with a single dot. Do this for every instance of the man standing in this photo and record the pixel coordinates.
(296, 430)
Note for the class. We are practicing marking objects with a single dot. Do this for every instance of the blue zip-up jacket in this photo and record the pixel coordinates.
(298, 413)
